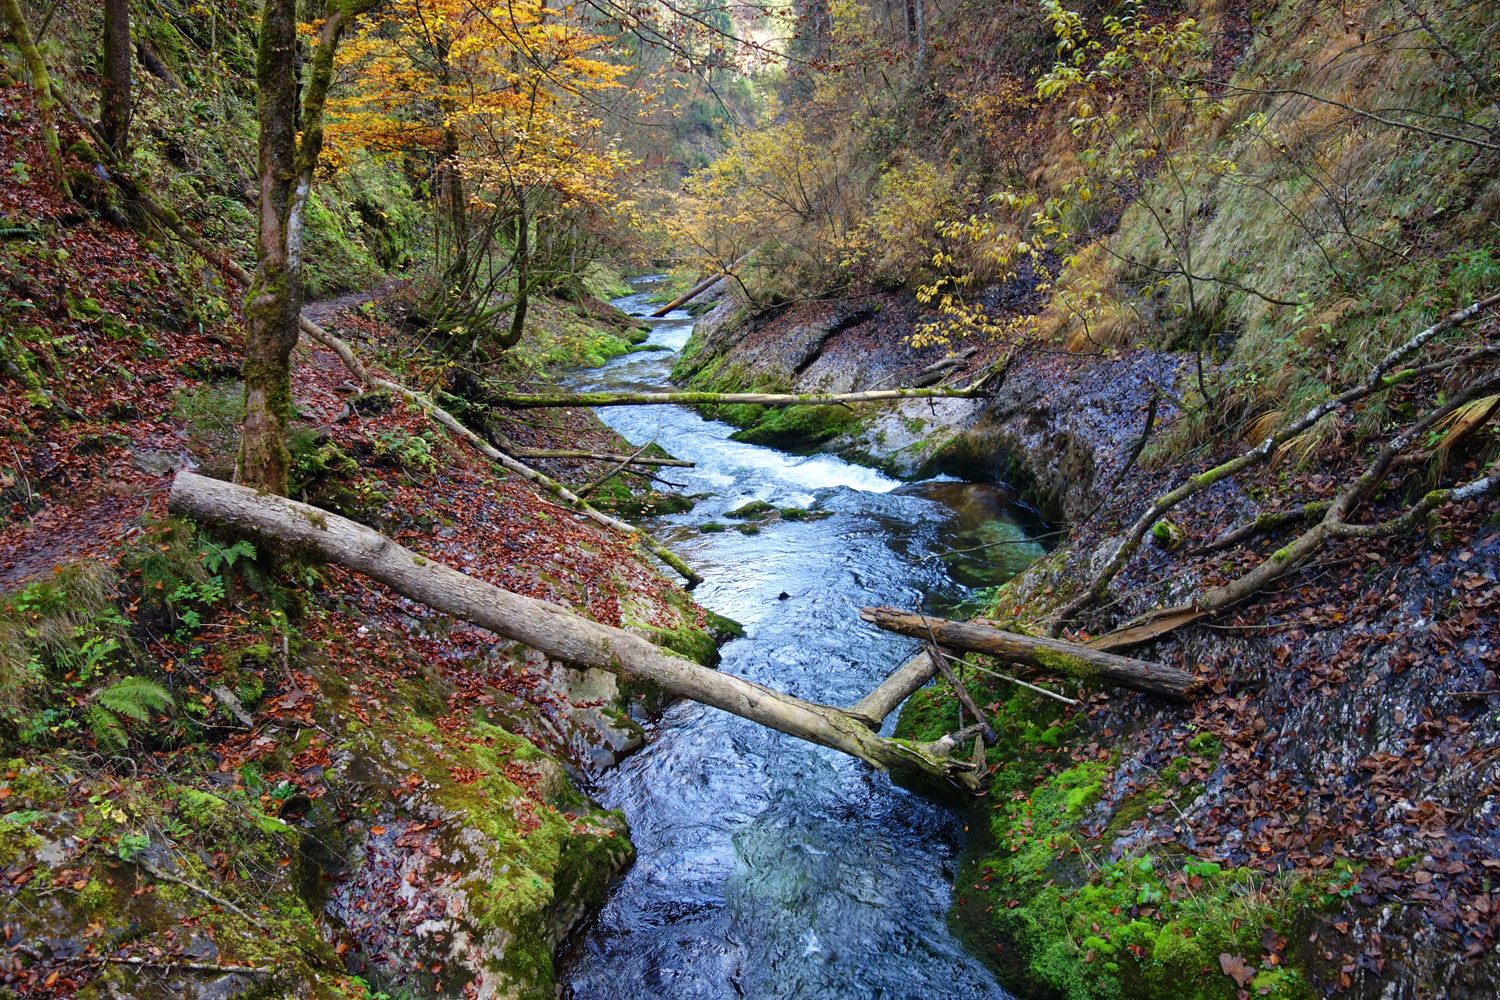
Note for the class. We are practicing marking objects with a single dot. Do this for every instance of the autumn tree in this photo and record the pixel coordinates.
(503, 102)
(291, 138)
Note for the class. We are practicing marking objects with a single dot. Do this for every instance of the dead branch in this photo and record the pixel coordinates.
(539, 401)
(599, 456)
(616, 469)
(986, 731)
(1268, 521)
(442, 416)
(1380, 378)
(1014, 680)
(700, 287)
(1334, 522)
(896, 688)
(174, 223)
(169, 964)
(194, 887)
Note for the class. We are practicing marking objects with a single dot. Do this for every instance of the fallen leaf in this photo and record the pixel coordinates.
(1235, 968)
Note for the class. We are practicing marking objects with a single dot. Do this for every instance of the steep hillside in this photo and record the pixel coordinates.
(229, 772)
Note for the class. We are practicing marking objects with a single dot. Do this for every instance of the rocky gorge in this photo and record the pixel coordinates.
(1323, 820)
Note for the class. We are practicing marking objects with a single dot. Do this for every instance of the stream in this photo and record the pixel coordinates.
(769, 867)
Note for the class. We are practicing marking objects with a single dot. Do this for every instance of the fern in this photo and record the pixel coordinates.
(131, 697)
(106, 727)
(135, 697)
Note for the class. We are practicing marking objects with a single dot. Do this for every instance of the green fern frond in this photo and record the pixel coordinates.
(105, 726)
(134, 697)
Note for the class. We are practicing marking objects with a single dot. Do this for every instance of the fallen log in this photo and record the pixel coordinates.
(1067, 658)
(598, 456)
(540, 401)
(902, 683)
(699, 288)
(296, 527)
(174, 223)
(448, 420)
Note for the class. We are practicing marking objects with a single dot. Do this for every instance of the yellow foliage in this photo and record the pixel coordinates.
(502, 93)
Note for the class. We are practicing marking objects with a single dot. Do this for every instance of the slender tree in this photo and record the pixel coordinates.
(41, 83)
(114, 82)
(285, 166)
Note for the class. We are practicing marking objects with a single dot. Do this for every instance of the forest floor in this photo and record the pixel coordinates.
(325, 746)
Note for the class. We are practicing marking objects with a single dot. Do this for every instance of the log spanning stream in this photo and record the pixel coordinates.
(768, 867)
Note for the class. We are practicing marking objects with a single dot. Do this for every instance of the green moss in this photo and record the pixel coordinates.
(798, 428)
(1039, 900)
(1060, 661)
(755, 510)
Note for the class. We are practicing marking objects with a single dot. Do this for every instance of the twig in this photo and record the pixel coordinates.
(24, 478)
(964, 697)
(618, 466)
(1015, 680)
(195, 887)
(989, 545)
(258, 970)
(658, 479)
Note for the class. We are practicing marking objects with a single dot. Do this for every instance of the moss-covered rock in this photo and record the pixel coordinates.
(1039, 897)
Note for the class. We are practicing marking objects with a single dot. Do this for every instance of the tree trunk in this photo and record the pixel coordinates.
(536, 402)
(286, 165)
(921, 39)
(114, 81)
(699, 288)
(523, 279)
(1065, 658)
(306, 530)
(41, 85)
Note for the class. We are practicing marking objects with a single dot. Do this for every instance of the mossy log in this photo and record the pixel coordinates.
(541, 401)
(599, 456)
(1054, 655)
(297, 527)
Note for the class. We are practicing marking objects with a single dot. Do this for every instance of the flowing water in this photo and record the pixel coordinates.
(769, 867)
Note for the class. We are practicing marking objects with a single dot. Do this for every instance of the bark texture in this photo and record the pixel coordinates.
(902, 683)
(114, 81)
(308, 531)
(275, 297)
(286, 163)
